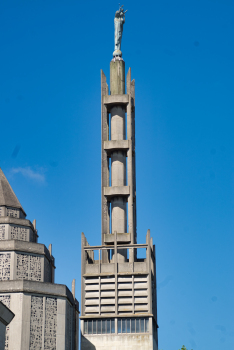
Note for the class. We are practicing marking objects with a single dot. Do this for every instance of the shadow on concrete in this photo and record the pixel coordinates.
(86, 344)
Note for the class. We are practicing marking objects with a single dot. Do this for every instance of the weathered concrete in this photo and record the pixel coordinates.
(46, 314)
(118, 286)
(6, 316)
(116, 342)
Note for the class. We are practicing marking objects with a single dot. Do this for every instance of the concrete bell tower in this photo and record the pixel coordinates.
(118, 282)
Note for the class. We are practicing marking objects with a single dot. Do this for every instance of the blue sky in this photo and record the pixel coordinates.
(181, 54)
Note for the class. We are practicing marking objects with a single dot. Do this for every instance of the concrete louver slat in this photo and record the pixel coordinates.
(107, 286)
(140, 285)
(125, 308)
(107, 301)
(124, 279)
(124, 286)
(141, 307)
(107, 280)
(141, 279)
(108, 309)
(92, 287)
(92, 302)
(124, 293)
(141, 300)
(91, 295)
(89, 309)
(125, 300)
(91, 280)
(107, 294)
(141, 292)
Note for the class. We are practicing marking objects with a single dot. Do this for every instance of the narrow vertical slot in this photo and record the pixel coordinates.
(109, 163)
(110, 227)
(127, 225)
(126, 123)
(126, 170)
(109, 120)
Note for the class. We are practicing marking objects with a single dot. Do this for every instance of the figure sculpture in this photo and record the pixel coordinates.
(119, 22)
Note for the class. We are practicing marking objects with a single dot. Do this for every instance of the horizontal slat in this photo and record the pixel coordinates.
(124, 286)
(141, 292)
(91, 309)
(92, 302)
(141, 300)
(107, 294)
(140, 285)
(108, 309)
(124, 293)
(140, 279)
(125, 300)
(141, 307)
(91, 295)
(92, 287)
(108, 280)
(91, 280)
(107, 301)
(124, 279)
(124, 308)
(107, 286)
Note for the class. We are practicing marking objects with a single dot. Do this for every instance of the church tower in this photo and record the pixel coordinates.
(118, 290)
(46, 314)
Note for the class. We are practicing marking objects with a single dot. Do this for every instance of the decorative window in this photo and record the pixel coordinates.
(99, 326)
(133, 325)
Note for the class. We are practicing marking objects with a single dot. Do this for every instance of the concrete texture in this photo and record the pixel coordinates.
(7, 195)
(118, 284)
(46, 313)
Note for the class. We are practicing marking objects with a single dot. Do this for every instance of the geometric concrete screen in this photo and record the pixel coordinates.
(46, 314)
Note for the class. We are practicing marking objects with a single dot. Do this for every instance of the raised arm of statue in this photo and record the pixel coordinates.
(119, 22)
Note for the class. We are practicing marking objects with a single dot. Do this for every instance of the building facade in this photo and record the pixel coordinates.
(46, 314)
(118, 289)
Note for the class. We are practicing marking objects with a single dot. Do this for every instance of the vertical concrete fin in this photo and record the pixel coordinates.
(83, 263)
(74, 288)
(149, 270)
(105, 165)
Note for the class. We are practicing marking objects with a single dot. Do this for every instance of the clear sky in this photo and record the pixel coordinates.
(181, 54)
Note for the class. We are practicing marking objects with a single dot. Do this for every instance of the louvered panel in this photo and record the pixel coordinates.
(92, 302)
(108, 309)
(107, 286)
(125, 300)
(124, 285)
(91, 309)
(141, 300)
(107, 280)
(140, 279)
(125, 308)
(124, 279)
(92, 287)
(91, 295)
(91, 280)
(139, 285)
(141, 307)
(108, 301)
(107, 294)
(141, 292)
(124, 293)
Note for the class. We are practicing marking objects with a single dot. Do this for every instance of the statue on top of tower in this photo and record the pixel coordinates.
(119, 22)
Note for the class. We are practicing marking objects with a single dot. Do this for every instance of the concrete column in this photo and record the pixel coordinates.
(118, 214)
(118, 158)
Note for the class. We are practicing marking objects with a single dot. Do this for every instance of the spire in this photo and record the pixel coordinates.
(7, 195)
